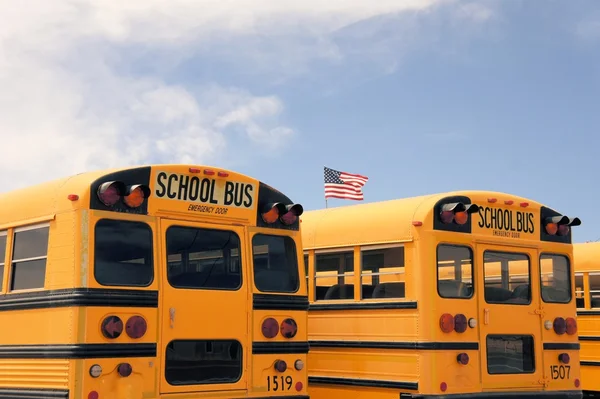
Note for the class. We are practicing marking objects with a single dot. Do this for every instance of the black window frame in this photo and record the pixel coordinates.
(295, 257)
(206, 229)
(569, 274)
(152, 257)
(199, 340)
(437, 269)
(16, 261)
(529, 266)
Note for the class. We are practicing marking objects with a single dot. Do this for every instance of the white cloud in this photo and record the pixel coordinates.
(70, 103)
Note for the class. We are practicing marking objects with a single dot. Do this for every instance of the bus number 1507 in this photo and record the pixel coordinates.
(560, 372)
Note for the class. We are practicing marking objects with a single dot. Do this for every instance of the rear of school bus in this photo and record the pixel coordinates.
(505, 289)
(488, 310)
(172, 284)
(587, 289)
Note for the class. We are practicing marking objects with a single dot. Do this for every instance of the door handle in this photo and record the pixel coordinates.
(171, 317)
(486, 316)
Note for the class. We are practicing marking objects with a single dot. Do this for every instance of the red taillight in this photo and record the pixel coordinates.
(124, 369)
(136, 327)
(270, 328)
(462, 358)
(447, 322)
(571, 326)
(443, 387)
(93, 395)
(280, 366)
(292, 213)
(563, 230)
(110, 192)
(299, 386)
(447, 217)
(112, 327)
(460, 323)
(564, 358)
(560, 326)
(289, 328)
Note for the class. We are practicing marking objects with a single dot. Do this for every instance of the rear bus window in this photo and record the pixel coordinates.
(334, 276)
(123, 253)
(454, 271)
(203, 259)
(383, 273)
(30, 252)
(556, 283)
(275, 263)
(203, 362)
(507, 277)
(2, 256)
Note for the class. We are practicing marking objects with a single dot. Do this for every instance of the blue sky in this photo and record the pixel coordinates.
(492, 95)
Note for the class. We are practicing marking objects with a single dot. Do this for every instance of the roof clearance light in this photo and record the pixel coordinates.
(272, 212)
(293, 211)
(136, 195)
(110, 192)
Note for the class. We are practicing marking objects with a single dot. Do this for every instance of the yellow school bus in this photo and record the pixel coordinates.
(157, 281)
(586, 259)
(464, 293)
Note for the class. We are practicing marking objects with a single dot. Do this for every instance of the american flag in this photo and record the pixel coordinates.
(344, 185)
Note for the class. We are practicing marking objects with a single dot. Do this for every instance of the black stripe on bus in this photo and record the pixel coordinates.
(589, 363)
(76, 351)
(396, 345)
(39, 393)
(588, 313)
(279, 302)
(363, 306)
(359, 382)
(561, 345)
(589, 338)
(270, 348)
(79, 297)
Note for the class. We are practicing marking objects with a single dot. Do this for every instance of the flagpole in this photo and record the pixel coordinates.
(325, 203)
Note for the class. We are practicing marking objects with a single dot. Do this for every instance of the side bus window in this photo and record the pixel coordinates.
(454, 271)
(3, 236)
(199, 258)
(30, 252)
(275, 263)
(383, 273)
(507, 278)
(123, 253)
(196, 362)
(579, 292)
(555, 278)
(334, 279)
(594, 290)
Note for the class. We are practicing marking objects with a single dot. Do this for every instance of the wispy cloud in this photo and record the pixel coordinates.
(74, 96)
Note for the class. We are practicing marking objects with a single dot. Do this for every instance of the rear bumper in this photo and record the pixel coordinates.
(499, 395)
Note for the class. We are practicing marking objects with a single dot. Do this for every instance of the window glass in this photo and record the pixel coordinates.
(579, 293)
(123, 253)
(2, 256)
(507, 277)
(30, 250)
(454, 271)
(203, 362)
(510, 354)
(383, 273)
(334, 276)
(556, 284)
(203, 258)
(594, 290)
(275, 263)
